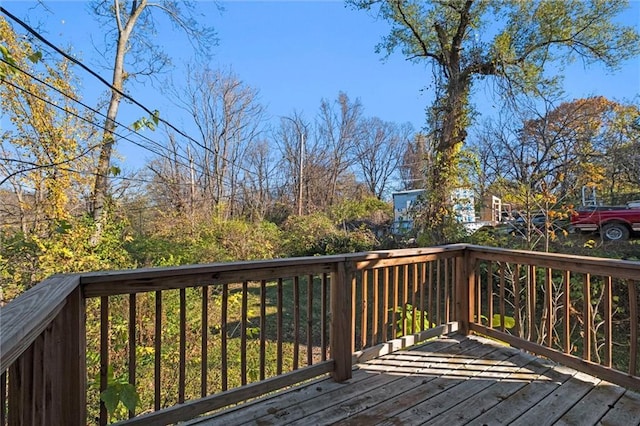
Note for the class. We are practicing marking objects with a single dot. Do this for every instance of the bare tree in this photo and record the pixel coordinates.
(338, 128)
(378, 152)
(229, 120)
(298, 152)
(257, 191)
(413, 160)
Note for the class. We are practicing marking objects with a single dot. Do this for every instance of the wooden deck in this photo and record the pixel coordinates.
(453, 380)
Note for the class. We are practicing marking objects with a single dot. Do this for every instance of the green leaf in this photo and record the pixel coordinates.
(509, 322)
(111, 397)
(35, 57)
(114, 170)
(137, 125)
(63, 227)
(129, 396)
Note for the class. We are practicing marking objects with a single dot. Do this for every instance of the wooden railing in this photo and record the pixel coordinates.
(582, 312)
(175, 343)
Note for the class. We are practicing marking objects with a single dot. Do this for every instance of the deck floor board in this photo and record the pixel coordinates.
(453, 380)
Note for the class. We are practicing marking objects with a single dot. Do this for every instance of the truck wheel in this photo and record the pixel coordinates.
(615, 232)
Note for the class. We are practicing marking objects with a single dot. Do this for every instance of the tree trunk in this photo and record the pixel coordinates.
(101, 186)
(442, 176)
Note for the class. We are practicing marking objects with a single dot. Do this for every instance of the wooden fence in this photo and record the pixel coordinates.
(162, 345)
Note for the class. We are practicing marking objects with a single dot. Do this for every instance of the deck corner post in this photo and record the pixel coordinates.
(74, 367)
(465, 291)
(341, 333)
(47, 382)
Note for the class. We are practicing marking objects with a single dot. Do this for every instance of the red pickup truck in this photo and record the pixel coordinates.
(613, 222)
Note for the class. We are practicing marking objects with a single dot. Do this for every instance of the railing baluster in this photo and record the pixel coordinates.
(224, 378)
(376, 307)
(279, 330)
(608, 320)
(204, 346)
(3, 398)
(396, 283)
(503, 311)
(263, 327)
(448, 289)
(405, 297)
(296, 321)
(517, 298)
(414, 291)
(243, 335)
(323, 316)
(633, 337)
(104, 354)
(157, 350)
(567, 312)
(477, 279)
(182, 377)
(586, 316)
(385, 294)
(364, 309)
(413, 281)
(423, 279)
(132, 345)
(531, 299)
(354, 289)
(549, 306)
(309, 319)
(490, 293)
(430, 309)
(438, 299)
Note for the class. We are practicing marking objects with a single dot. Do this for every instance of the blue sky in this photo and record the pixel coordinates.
(298, 52)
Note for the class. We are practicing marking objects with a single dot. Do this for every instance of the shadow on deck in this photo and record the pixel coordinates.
(452, 380)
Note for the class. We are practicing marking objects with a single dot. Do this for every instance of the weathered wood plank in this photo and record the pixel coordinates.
(276, 406)
(388, 377)
(47, 381)
(191, 409)
(519, 402)
(605, 373)
(405, 259)
(418, 377)
(453, 388)
(428, 368)
(551, 408)
(279, 402)
(505, 385)
(626, 411)
(591, 408)
(286, 412)
(451, 380)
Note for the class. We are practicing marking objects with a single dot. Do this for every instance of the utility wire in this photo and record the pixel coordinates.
(36, 166)
(110, 86)
(95, 111)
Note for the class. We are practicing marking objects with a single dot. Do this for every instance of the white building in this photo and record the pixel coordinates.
(406, 202)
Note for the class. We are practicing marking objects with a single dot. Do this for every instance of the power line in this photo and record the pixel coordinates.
(113, 88)
(37, 166)
(95, 111)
